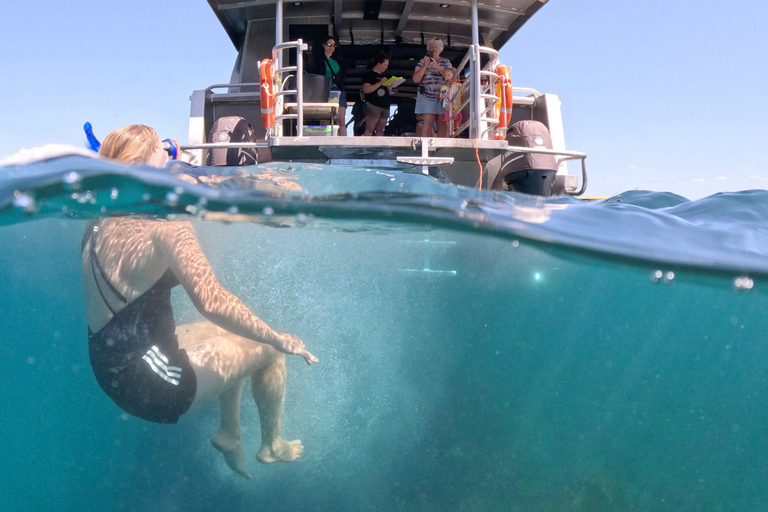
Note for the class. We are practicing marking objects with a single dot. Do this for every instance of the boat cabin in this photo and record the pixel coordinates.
(287, 37)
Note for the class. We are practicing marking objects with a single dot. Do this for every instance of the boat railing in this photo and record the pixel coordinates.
(283, 74)
(480, 84)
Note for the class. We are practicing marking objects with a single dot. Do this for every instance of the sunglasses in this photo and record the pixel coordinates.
(330, 45)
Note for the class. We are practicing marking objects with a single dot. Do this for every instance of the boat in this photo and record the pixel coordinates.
(283, 35)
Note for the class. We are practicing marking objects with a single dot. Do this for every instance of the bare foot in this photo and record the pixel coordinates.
(280, 451)
(232, 449)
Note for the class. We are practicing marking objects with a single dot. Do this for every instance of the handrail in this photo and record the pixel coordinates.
(283, 91)
(569, 155)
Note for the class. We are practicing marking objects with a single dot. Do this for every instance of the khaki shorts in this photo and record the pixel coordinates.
(374, 111)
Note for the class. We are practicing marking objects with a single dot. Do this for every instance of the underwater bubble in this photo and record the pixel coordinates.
(268, 210)
(301, 218)
(30, 360)
(146, 197)
(25, 201)
(743, 283)
(669, 277)
(179, 190)
(656, 275)
(72, 180)
(233, 210)
(172, 199)
(113, 193)
(515, 244)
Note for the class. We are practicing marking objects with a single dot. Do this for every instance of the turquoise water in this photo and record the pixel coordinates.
(478, 351)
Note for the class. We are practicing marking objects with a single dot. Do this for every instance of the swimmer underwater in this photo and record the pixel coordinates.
(156, 370)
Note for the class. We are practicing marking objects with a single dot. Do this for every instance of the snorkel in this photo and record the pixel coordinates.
(92, 140)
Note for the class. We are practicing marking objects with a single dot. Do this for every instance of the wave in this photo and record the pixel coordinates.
(723, 232)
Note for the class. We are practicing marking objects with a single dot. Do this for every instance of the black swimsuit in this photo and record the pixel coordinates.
(136, 357)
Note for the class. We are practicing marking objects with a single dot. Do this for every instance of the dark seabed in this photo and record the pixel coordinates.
(478, 351)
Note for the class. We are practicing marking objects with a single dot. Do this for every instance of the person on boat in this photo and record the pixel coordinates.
(156, 370)
(334, 67)
(430, 75)
(376, 96)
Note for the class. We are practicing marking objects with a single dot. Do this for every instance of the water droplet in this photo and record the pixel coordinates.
(268, 210)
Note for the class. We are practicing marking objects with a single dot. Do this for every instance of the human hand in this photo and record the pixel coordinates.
(290, 344)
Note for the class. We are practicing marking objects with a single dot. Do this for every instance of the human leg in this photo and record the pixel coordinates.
(341, 121)
(428, 129)
(443, 129)
(370, 124)
(227, 439)
(221, 363)
(268, 387)
(381, 124)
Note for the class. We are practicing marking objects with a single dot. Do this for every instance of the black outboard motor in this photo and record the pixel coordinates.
(232, 129)
(530, 173)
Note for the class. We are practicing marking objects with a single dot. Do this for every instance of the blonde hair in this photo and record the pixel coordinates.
(132, 144)
(437, 41)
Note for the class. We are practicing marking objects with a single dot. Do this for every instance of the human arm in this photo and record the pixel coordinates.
(421, 69)
(180, 250)
(369, 87)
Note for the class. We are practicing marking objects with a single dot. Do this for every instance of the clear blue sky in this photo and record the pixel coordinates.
(665, 96)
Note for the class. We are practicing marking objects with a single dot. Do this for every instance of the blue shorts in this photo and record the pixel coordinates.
(342, 97)
(425, 106)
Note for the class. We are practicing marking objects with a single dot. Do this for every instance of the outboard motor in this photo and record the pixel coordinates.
(232, 129)
(530, 173)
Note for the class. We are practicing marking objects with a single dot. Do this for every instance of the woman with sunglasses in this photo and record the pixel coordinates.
(334, 67)
(156, 370)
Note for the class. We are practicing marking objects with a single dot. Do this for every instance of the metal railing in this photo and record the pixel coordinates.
(480, 101)
(282, 76)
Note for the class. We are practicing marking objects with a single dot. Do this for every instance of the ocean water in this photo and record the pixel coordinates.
(478, 351)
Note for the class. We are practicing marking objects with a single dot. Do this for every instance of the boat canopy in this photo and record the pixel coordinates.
(384, 22)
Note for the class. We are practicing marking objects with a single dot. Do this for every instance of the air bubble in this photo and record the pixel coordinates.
(25, 201)
(743, 283)
(268, 211)
(114, 193)
(515, 244)
(669, 277)
(72, 180)
(233, 210)
(172, 199)
(656, 276)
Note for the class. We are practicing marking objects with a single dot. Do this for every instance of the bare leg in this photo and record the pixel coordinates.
(370, 125)
(227, 440)
(429, 126)
(268, 387)
(381, 124)
(221, 361)
(341, 120)
(442, 127)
